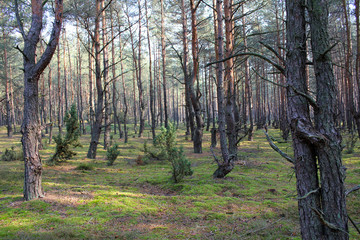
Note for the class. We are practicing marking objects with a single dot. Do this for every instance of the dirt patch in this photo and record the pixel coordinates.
(156, 190)
(68, 198)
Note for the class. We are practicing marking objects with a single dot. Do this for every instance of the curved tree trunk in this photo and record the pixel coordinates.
(31, 129)
(299, 116)
(227, 163)
(96, 129)
(198, 132)
(332, 172)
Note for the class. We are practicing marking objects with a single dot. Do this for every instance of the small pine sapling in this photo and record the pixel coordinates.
(71, 139)
(111, 154)
(181, 166)
(165, 149)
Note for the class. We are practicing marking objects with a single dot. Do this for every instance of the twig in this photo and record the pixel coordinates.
(260, 229)
(353, 223)
(311, 101)
(268, 80)
(326, 223)
(273, 146)
(308, 194)
(276, 65)
(216, 159)
(352, 190)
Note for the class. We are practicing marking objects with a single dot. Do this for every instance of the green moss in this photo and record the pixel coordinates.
(127, 201)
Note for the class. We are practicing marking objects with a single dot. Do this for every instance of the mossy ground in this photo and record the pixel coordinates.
(257, 200)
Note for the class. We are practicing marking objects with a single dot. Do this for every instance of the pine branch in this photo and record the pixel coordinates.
(277, 149)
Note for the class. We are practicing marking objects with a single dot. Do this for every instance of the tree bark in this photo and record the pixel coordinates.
(163, 56)
(30, 128)
(229, 80)
(140, 85)
(107, 123)
(115, 79)
(299, 115)
(226, 164)
(195, 99)
(50, 106)
(59, 92)
(152, 112)
(123, 81)
(7, 90)
(96, 129)
(332, 172)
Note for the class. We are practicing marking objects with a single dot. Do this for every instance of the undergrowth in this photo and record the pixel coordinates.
(257, 200)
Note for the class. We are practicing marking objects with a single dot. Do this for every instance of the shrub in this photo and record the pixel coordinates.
(181, 166)
(165, 149)
(111, 154)
(84, 166)
(12, 155)
(71, 139)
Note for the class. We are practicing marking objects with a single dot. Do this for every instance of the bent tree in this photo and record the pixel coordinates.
(328, 144)
(322, 205)
(299, 116)
(31, 128)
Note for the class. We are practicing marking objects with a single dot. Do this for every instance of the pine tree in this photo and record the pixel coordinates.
(71, 139)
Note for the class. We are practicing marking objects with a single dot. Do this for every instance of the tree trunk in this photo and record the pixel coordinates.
(195, 99)
(91, 102)
(50, 106)
(59, 91)
(152, 112)
(80, 90)
(123, 81)
(107, 122)
(30, 128)
(332, 173)
(13, 116)
(189, 108)
(96, 130)
(163, 55)
(299, 116)
(139, 80)
(357, 62)
(229, 81)
(115, 79)
(227, 164)
(7, 90)
(65, 72)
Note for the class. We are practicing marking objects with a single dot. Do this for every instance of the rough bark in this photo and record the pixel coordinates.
(152, 110)
(188, 104)
(195, 99)
(96, 129)
(357, 62)
(332, 172)
(163, 57)
(31, 128)
(299, 112)
(229, 80)
(226, 164)
(107, 123)
(139, 80)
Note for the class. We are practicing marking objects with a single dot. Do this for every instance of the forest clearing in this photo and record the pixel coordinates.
(130, 201)
(199, 119)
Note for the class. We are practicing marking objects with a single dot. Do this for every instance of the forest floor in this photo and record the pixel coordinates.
(257, 200)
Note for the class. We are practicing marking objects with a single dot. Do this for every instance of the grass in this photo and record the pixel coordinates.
(257, 200)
